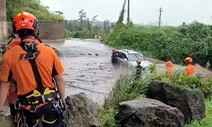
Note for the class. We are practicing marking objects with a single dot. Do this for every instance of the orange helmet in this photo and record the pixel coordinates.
(25, 20)
(113, 49)
(139, 61)
(169, 64)
(188, 59)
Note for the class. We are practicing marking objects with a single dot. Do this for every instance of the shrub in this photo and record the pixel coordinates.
(205, 85)
(126, 89)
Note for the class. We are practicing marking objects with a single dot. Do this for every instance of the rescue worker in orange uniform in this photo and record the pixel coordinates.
(170, 70)
(12, 96)
(190, 69)
(37, 71)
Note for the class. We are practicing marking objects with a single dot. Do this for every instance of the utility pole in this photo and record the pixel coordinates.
(128, 12)
(106, 26)
(160, 13)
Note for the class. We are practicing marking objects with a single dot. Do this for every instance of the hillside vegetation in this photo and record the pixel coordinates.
(33, 6)
(166, 43)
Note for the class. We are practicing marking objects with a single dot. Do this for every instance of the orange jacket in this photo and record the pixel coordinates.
(47, 61)
(190, 70)
(12, 96)
(169, 68)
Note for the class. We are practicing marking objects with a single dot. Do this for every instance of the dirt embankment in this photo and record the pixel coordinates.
(205, 73)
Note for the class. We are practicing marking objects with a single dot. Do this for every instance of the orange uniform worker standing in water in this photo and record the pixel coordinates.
(190, 69)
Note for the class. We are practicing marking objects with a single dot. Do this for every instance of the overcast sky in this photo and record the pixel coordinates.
(142, 11)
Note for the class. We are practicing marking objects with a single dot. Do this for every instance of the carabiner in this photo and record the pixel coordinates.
(17, 105)
(33, 109)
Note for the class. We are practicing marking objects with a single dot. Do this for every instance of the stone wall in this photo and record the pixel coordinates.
(48, 30)
(52, 30)
(3, 20)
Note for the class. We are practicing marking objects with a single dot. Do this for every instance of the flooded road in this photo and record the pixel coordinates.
(87, 68)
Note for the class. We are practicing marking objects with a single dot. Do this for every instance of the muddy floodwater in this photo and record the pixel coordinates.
(87, 68)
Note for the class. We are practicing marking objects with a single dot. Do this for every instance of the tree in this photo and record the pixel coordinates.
(106, 26)
(94, 19)
(82, 17)
(59, 12)
(121, 17)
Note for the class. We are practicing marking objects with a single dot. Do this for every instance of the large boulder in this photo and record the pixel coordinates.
(148, 113)
(189, 101)
(82, 111)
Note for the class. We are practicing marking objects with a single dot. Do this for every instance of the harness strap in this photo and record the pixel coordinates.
(37, 76)
(31, 57)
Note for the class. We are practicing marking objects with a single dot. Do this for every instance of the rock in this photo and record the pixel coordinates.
(83, 111)
(6, 121)
(82, 54)
(148, 113)
(189, 101)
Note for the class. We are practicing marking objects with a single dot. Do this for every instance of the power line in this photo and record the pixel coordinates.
(160, 14)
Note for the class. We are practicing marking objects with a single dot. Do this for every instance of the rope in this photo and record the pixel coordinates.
(85, 89)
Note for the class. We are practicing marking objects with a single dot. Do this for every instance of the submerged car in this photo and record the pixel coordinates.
(129, 58)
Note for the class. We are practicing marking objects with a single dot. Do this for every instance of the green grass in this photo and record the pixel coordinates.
(107, 117)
